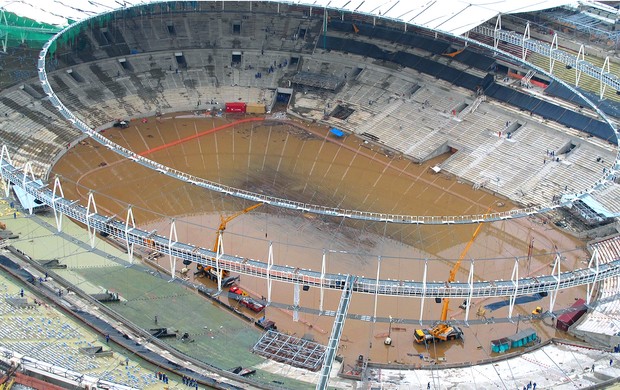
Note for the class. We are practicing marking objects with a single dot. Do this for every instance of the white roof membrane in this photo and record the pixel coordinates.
(454, 16)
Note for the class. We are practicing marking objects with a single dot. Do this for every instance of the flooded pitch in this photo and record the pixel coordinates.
(303, 162)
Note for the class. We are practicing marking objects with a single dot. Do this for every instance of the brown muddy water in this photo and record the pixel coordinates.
(304, 163)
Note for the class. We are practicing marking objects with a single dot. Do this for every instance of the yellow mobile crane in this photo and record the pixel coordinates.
(442, 330)
(7, 381)
(211, 272)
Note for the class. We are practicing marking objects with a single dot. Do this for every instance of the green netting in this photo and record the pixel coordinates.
(103, 19)
(13, 19)
(17, 30)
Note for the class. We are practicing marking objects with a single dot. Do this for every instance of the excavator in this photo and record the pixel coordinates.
(442, 330)
(211, 272)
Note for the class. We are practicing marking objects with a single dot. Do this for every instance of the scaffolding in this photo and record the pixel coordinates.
(290, 350)
(585, 22)
(552, 51)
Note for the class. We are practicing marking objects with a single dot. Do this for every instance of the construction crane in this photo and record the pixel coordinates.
(7, 381)
(443, 331)
(211, 272)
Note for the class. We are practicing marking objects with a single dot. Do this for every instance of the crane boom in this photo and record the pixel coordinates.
(455, 269)
(442, 330)
(209, 271)
(225, 220)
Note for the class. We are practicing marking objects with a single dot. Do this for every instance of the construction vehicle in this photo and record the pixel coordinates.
(442, 330)
(537, 311)
(7, 381)
(239, 295)
(211, 272)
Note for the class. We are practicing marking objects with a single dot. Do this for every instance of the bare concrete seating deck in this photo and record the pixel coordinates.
(39, 331)
(605, 316)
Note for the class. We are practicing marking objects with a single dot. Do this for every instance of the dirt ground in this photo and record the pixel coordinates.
(305, 163)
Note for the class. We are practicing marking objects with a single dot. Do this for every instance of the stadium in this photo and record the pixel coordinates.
(287, 195)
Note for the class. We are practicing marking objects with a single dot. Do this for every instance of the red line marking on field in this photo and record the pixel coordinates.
(197, 135)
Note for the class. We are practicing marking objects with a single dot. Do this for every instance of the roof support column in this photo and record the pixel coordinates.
(581, 56)
(172, 236)
(604, 71)
(91, 229)
(526, 37)
(55, 197)
(423, 289)
(322, 296)
(515, 282)
(556, 275)
(496, 31)
(129, 220)
(4, 156)
(594, 260)
(218, 255)
(296, 289)
(553, 48)
(28, 169)
(374, 315)
(470, 284)
(5, 41)
(269, 266)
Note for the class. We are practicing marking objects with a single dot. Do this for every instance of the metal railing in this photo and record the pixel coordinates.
(207, 258)
(547, 50)
(334, 211)
(334, 338)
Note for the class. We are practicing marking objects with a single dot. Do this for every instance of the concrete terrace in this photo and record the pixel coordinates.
(134, 70)
(601, 324)
(421, 125)
(554, 366)
(42, 332)
(144, 65)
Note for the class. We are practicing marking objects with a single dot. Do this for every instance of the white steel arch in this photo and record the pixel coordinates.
(566, 200)
(135, 236)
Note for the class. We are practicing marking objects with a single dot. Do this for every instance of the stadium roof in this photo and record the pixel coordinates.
(454, 16)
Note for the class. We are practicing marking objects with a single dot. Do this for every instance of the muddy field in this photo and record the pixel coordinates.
(305, 163)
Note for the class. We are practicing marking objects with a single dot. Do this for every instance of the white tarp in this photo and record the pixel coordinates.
(454, 16)
(28, 201)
